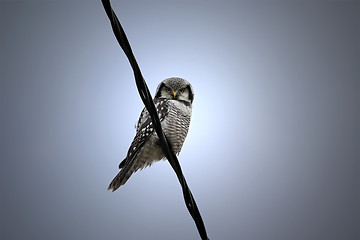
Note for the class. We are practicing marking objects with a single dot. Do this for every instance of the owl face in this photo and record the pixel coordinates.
(176, 89)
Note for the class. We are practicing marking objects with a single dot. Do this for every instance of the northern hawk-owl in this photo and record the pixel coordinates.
(173, 102)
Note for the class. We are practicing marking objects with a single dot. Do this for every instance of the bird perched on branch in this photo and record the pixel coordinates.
(173, 102)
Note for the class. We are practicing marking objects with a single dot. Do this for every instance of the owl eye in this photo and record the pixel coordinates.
(181, 91)
(168, 90)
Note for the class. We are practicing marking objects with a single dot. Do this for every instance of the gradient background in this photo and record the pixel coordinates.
(273, 147)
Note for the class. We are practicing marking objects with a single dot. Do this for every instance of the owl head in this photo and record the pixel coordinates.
(175, 88)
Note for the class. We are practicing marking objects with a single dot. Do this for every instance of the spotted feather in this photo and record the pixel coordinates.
(145, 128)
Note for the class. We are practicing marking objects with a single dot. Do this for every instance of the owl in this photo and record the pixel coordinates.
(173, 103)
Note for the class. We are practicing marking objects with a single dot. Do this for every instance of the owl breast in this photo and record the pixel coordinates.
(176, 124)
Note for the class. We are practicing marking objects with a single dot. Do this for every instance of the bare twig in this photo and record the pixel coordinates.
(149, 104)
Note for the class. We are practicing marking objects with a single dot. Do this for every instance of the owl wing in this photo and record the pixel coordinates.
(144, 129)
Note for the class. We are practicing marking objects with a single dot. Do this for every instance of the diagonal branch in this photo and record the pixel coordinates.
(149, 104)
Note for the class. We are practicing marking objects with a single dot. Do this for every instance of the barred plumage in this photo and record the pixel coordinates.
(173, 102)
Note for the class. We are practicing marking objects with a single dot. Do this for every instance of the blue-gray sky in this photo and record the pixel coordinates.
(273, 146)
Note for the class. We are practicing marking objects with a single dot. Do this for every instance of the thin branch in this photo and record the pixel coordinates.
(149, 104)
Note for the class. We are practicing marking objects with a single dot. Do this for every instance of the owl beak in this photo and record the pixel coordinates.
(174, 94)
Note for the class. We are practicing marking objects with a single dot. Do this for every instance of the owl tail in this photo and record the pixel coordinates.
(127, 169)
(120, 179)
